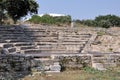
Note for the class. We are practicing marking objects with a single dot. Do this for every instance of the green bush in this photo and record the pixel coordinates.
(47, 19)
(104, 21)
(100, 33)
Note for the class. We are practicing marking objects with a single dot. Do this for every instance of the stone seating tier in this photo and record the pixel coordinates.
(51, 28)
(60, 43)
(12, 35)
(43, 39)
(39, 51)
(58, 38)
(51, 41)
(57, 33)
(12, 50)
(14, 40)
(9, 32)
(27, 47)
(23, 44)
(11, 39)
(7, 45)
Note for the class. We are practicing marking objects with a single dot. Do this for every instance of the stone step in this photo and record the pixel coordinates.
(48, 49)
(74, 38)
(15, 35)
(44, 38)
(7, 28)
(39, 51)
(78, 36)
(12, 50)
(42, 34)
(76, 41)
(8, 45)
(23, 44)
(59, 43)
(33, 51)
(56, 33)
(27, 47)
(13, 32)
(98, 66)
(20, 40)
(14, 40)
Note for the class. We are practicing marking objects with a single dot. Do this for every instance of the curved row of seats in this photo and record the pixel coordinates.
(44, 40)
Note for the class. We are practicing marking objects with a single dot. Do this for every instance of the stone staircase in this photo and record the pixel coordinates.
(42, 42)
(56, 40)
(10, 36)
(45, 42)
(104, 61)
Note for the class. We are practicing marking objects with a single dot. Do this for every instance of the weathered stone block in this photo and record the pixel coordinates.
(47, 68)
(98, 66)
(55, 67)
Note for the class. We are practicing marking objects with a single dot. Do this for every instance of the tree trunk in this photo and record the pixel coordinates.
(15, 21)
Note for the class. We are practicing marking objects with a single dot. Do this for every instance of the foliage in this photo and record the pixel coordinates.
(110, 49)
(47, 19)
(86, 74)
(89, 22)
(104, 21)
(112, 20)
(91, 70)
(18, 8)
(74, 63)
(2, 12)
(100, 33)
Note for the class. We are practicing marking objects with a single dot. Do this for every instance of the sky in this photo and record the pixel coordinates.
(80, 9)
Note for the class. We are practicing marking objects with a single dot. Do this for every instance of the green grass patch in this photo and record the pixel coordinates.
(100, 33)
(85, 74)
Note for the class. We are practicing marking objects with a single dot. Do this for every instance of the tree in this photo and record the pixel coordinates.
(104, 21)
(108, 21)
(47, 19)
(20, 8)
(2, 12)
(35, 19)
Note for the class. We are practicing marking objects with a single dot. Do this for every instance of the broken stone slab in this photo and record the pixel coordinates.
(7, 45)
(12, 50)
(4, 51)
(98, 66)
(47, 68)
(55, 67)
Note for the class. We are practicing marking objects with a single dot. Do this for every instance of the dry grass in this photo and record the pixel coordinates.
(88, 74)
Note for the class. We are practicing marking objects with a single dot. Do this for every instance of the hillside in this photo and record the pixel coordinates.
(107, 40)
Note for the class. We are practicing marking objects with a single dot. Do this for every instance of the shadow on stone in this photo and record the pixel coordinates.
(15, 66)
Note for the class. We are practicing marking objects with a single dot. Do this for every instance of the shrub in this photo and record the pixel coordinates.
(47, 19)
(104, 21)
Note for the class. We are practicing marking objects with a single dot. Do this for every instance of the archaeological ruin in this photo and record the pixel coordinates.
(53, 49)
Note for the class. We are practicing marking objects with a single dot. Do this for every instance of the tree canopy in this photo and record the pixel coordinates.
(104, 21)
(47, 19)
(18, 8)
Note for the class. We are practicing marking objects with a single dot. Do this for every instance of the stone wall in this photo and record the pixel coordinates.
(14, 66)
(73, 62)
(100, 61)
(51, 66)
(104, 61)
(14, 62)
